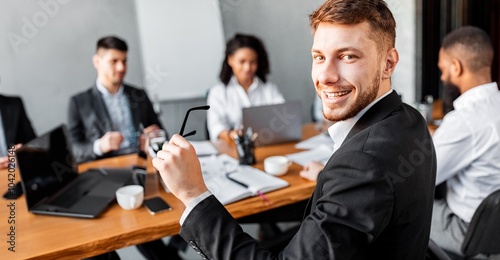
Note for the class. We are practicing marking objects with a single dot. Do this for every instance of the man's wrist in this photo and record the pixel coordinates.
(97, 147)
(190, 206)
(189, 196)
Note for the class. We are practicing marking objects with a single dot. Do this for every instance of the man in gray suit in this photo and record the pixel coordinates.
(104, 120)
(373, 200)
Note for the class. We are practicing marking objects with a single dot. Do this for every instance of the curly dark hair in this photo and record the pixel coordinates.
(245, 41)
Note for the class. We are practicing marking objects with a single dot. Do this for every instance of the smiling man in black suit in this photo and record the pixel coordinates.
(373, 199)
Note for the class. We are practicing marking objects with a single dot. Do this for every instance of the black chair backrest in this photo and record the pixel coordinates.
(483, 233)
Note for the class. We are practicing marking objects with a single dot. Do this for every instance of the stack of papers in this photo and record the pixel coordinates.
(204, 148)
(320, 154)
(320, 149)
(315, 141)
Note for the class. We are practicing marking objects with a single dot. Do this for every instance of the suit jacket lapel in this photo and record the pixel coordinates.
(376, 113)
(133, 104)
(101, 112)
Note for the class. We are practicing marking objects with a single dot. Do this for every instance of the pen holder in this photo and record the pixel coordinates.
(246, 152)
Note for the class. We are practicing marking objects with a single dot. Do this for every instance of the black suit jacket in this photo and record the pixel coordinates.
(373, 200)
(89, 119)
(17, 126)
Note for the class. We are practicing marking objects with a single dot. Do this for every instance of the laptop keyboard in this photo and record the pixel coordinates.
(74, 192)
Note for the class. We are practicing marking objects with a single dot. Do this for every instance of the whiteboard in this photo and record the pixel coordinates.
(182, 46)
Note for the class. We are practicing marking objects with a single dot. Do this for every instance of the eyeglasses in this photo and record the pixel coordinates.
(185, 120)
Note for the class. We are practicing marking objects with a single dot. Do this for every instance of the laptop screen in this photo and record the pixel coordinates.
(46, 164)
(274, 123)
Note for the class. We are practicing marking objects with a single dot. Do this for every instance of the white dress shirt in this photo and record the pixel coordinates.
(226, 103)
(467, 147)
(119, 111)
(339, 130)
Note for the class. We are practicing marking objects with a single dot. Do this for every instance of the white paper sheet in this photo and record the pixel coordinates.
(321, 154)
(315, 141)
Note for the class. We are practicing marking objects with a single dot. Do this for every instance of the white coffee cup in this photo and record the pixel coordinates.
(276, 165)
(130, 197)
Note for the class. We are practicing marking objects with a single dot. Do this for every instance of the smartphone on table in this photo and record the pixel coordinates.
(156, 205)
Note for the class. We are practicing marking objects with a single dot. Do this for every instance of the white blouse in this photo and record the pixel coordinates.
(226, 103)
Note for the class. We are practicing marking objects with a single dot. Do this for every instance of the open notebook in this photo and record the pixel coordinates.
(216, 168)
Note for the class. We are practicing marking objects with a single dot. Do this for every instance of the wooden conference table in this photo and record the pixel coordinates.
(50, 237)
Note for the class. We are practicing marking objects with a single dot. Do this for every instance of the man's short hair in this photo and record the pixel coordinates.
(375, 12)
(111, 42)
(475, 43)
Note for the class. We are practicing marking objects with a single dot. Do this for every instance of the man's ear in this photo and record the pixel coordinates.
(457, 68)
(95, 60)
(392, 59)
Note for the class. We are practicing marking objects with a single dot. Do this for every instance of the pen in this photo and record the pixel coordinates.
(261, 195)
(236, 139)
(254, 136)
(249, 133)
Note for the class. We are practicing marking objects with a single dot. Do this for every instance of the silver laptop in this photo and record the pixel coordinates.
(52, 185)
(274, 123)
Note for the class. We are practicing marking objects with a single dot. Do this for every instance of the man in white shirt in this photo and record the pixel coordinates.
(467, 142)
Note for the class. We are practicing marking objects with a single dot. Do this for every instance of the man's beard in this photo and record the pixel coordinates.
(450, 93)
(117, 82)
(363, 100)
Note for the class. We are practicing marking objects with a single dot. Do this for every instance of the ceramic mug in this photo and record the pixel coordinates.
(277, 165)
(130, 197)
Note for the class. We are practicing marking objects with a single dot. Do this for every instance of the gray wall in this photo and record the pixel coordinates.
(46, 51)
(283, 26)
(404, 77)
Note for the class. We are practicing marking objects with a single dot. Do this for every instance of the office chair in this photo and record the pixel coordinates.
(483, 233)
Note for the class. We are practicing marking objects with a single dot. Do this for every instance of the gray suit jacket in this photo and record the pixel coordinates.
(89, 119)
(373, 200)
(17, 126)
